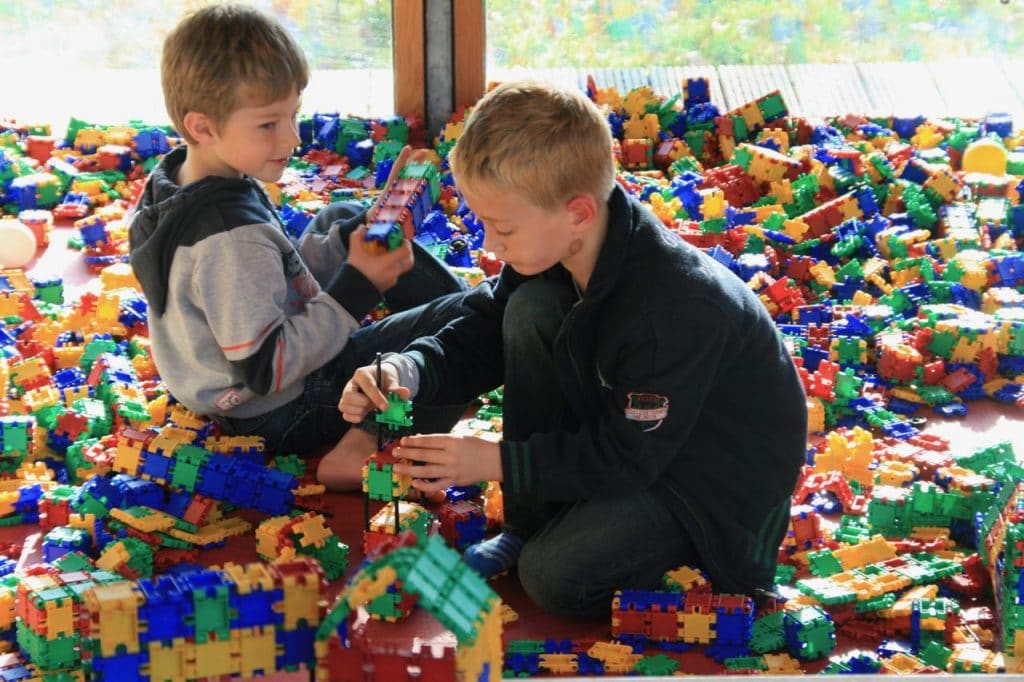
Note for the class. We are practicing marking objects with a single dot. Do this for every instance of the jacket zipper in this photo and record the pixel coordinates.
(572, 357)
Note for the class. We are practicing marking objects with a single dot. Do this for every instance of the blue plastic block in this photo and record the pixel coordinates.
(296, 646)
(120, 667)
(157, 467)
(168, 609)
(256, 608)
(138, 492)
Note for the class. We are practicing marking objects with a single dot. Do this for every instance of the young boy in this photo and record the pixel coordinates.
(652, 416)
(245, 327)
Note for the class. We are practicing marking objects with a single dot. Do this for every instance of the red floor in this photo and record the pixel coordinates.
(987, 423)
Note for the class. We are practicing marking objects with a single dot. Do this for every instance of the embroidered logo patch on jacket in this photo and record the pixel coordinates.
(648, 408)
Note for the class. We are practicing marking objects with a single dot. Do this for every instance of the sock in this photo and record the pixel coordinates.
(494, 556)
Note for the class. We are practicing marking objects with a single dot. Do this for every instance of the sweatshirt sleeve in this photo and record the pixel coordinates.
(275, 328)
(650, 404)
(466, 358)
(324, 244)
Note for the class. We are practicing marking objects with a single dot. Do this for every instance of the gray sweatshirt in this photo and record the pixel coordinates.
(238, 315)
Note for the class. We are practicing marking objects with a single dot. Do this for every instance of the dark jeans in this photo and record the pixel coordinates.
(425, 298)
(578, 553)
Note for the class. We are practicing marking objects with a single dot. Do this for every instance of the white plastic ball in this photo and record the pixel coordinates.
(17, 244)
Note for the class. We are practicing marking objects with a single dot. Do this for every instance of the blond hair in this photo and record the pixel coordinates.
(546, 143)
(222, 56)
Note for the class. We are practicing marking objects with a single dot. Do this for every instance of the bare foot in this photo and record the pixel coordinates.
(341, 469)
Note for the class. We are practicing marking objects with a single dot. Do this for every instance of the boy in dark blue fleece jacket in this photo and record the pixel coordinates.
(246, 327)
(652, 416)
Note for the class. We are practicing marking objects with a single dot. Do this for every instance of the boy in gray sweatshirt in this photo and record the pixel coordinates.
(247, 327)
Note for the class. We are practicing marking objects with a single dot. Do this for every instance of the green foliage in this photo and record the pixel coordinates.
(604, 33)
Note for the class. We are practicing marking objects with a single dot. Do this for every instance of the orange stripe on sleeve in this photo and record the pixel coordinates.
(246, 344)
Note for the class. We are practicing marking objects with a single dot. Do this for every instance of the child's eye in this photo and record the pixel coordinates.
(268, 126)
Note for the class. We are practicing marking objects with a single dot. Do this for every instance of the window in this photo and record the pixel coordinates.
(99, 61)
(960, 57)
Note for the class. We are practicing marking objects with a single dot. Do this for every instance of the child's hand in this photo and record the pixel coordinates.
(383, 269)
(442, 461)
(362, 394)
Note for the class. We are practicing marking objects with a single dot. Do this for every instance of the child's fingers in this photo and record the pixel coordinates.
(353, 409)
(435, 441)
(353, 417)
(361, 392)
(429, 455)
(358, 236)
(431, 487)
(420, 470)
(402, 257)
(402, 391)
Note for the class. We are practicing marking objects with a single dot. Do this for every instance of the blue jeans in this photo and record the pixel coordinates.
(577, 553)
(426, 298)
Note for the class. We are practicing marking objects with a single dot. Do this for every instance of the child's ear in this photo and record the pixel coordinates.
(582, 211)
(200, 127)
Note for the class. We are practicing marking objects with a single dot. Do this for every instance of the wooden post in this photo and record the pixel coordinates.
(407, 22)
(470, 43)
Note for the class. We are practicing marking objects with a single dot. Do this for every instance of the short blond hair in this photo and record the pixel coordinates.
(544, 142)
(223, 55)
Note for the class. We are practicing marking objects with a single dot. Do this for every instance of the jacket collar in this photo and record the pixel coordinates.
(622, 223)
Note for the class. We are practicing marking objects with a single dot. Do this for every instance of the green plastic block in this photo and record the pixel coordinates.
(659, 665)
(188, 459)
(935, 654)
(745, 663)
(212, 613)
(768, 633)
(824, 563)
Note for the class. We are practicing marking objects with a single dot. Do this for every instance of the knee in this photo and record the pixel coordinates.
(340, 210)
(331, 213)
(537, 308)
(554, 582)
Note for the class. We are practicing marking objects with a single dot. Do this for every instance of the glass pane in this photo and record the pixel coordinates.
(611, 33)
(903, 57)
(106, 69)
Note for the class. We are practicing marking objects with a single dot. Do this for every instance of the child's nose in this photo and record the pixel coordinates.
(293, 134)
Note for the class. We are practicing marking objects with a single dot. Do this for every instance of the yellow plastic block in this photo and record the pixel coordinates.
(985, 156)
(115, 616)
(7, 599)
(170, 438)
(902, 664)
(156, 408)
(127, 455)
(559, 664)
(66, 357)
(312, 530)
(60, 617)
(782, 664)
(267, 543)
(118, 276)
(167, 662)
(155, 521)
(211, 658)
(254, 577)
(868, 552)
(8, 500)
(256, 650)
(686, 577)
(182, 416)
(697, 627)
(301, 602)
(114, 556)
